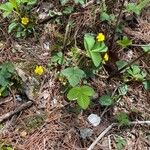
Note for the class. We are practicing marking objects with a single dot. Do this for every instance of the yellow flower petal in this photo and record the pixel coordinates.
(39, 70)
(25, 20)
(106, 57)
(100, 37)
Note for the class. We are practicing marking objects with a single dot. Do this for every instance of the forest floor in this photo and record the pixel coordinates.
(53, 122)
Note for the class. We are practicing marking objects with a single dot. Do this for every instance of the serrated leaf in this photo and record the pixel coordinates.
(73, 93)
(106, 100)
(74, 75)
(83, 101)
(146, 84)
(3, 81)
(123, 89)
(120, 142)
(63, 2)
(87, 90)
(122, 118)
(104, 16)
(120, 64)
(82, 95)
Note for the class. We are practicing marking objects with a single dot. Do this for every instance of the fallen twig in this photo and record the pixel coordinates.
(110, 127)
(17, 110)
(5, 101)
(89, 3)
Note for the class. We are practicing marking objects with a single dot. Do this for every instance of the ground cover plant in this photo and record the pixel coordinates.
(74, 74)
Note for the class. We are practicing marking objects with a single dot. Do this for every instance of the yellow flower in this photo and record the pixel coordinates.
(39, 70)
(100, 37)
(106, 57)
(24, 20)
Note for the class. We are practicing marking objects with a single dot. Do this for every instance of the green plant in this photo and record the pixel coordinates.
(6, 72)
(120, 142)
(6, 147)
(82, 95)
(122, 118)
(74, 75)
(136, 8)
(106, 100)
(94, 49)
(123, 89)
(135, 73)
(63, 2)
(124, 42)
(20, 18)
(131, 73)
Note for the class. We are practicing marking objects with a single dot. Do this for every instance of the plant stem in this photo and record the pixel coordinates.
(116, 26)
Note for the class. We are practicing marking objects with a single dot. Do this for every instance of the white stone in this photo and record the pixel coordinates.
(94, 119)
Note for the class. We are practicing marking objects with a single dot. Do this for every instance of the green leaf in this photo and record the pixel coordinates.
(99, 47)
(106, 100)
(94, 49)
(12, 26)
(81, 95)
(123, 89)
(89, 42)
(79, 2)
(146, 48)
(96, 58)
(58, 58)
(7, 8)
(146, 84)
(68, 10)
(63, 2)
(3, 81)
(74, 75)
(125, 42)
(120, 142)
(132, 7)
(104, 16)
(122, 118)
(14, 3)
(120, 64)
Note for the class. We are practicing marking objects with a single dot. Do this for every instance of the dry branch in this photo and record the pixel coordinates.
(110, 127)
(17, 110)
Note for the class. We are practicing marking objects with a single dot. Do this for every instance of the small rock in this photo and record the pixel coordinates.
(18, 98)
(94, 119)
(86, 132)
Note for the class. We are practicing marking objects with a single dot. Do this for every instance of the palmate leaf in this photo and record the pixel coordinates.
(74, 75)
(94, 49)
(81, 95)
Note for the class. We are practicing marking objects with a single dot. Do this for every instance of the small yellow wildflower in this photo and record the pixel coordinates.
(24, 20)
(39, 70)
(100, 37)
(106, 57)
